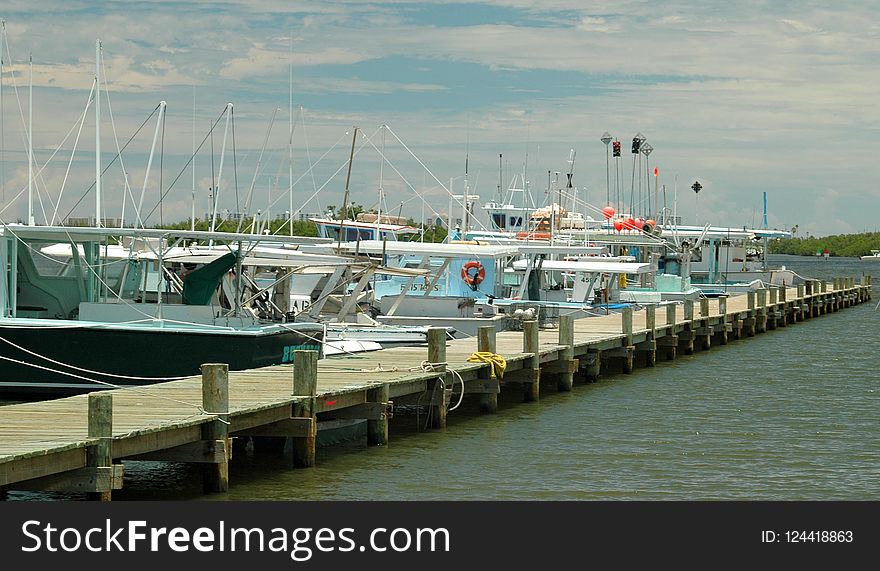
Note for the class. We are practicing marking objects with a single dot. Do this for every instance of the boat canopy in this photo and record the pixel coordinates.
(199, 285)
(429, 249)
(563, 250)
(589, 266)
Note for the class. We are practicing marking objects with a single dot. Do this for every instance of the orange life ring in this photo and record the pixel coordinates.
(476, 278)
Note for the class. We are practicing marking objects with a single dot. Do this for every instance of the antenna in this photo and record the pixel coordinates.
(382, 184)
(500, 178)
(290, 130)
(765, 209)
(192, 224)
(31, 141)
(570, 174)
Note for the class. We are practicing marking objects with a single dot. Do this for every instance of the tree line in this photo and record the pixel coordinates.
(839, 245)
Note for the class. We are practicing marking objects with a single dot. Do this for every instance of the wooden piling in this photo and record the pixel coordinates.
(761, 312)
(532, 390)
(773, 309)
(628, 352)
(670, 342)
(305, 384)
(670, 316)
(686, 339)
(486, 342)
(651, 336)
(751, 321)
(628, 360)
(626, 315)
(688, 310)
(593, 365)
(101, 427)
(437, 387)
(782, 321)
(566, 354)
(703, 330)
(215, 401)
(799, 314)
(377, 429)
(722, 312)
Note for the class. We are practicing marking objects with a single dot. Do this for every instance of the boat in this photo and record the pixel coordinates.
(93, 321)
(430, 284)
(511, 214)
(365, 226)
(874, 255)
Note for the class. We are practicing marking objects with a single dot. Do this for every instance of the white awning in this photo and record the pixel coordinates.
(422, 249)
(589, 266)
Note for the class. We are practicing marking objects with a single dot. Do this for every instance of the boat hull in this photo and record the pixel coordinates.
(66, 358)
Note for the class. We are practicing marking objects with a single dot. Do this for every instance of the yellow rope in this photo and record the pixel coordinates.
(497, 361)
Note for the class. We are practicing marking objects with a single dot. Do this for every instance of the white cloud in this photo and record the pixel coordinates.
(799, 26)
(594, 24)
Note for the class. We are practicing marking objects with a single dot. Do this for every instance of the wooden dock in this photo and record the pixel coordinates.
(79, 444)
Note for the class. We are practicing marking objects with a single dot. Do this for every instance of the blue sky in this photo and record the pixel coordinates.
(746, 97)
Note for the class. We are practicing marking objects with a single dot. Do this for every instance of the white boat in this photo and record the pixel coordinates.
(874, 255)
(90, 321)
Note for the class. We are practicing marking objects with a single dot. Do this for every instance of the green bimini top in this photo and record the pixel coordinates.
(199, 285)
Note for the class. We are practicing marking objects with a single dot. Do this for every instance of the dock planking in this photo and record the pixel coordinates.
(55, 444)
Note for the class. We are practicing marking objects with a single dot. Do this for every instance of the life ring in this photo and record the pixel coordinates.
(476, 278)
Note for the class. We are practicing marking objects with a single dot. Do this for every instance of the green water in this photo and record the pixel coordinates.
(789, 415)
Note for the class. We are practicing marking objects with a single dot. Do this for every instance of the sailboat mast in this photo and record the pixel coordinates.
(345, 195)
(228, 112)
(31, 141)
(98, 133)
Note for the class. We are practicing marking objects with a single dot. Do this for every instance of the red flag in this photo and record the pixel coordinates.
(656, 171)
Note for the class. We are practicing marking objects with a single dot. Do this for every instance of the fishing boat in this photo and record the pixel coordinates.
(93, 321)
(874, 255)
(511, 214)
(365, 226)
(436, 285)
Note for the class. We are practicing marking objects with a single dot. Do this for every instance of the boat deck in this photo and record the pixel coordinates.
(78, 443)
